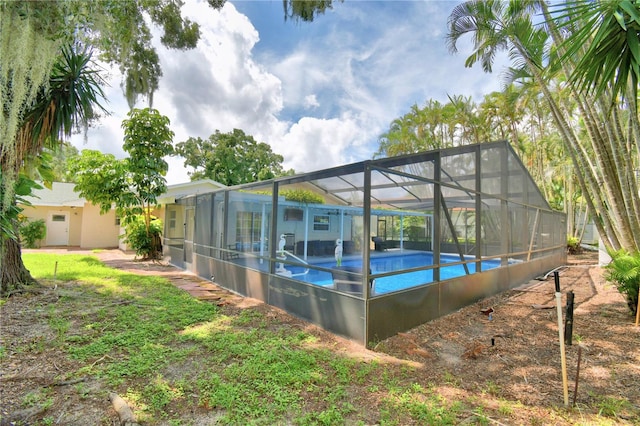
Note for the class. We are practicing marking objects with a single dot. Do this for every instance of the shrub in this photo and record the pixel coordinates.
(31, 232)
(573, 245)
(624, 272)
(302, 196)
(148, 245)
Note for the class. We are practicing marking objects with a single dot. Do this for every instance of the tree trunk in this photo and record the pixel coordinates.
(13, 274)
(156, 244)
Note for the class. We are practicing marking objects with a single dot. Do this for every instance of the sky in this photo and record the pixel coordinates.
(319, 93)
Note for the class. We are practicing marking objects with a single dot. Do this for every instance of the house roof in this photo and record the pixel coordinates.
(60, 194)
(189, 188)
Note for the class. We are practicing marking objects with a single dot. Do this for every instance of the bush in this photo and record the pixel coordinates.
(31, 232)
(302, 196)
(573, 245)
(149, 246)
(624, 272)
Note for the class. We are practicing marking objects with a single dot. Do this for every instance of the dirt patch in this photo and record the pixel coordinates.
(516, 348)
(502, 348)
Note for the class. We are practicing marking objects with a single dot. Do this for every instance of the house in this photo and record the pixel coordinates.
(73, 221)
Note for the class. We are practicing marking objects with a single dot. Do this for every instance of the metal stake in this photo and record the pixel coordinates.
(563, 359)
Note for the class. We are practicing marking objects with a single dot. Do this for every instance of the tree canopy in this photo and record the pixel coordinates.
(49, 45)
(134, 183)
(33, 41)
(230, 158)
(305, 10)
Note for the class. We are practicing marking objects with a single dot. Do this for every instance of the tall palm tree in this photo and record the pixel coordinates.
(598, 148)
(71, 100)
(615, 164)
(433, 117)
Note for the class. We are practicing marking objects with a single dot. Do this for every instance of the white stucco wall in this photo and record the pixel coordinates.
(75, 220)
(99, 231)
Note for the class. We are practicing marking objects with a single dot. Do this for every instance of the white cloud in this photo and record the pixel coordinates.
(310, 101)
(219, 86)
(320, 102)
(313, 144)
(316, 143)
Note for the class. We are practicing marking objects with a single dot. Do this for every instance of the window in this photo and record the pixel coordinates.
(293, 215)
(117, 220)
(58, 218)
(320, 222)
(172, 219)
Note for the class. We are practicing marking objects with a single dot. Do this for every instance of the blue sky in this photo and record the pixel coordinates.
(319, 93)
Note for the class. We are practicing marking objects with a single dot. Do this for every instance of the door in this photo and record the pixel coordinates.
(58, 229)
(189, 233)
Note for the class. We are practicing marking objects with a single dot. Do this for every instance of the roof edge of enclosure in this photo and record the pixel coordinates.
(369, 249)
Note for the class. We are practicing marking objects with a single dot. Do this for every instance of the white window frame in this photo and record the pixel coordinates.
(321, 222)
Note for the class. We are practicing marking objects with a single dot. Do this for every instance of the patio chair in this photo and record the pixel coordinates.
(379, 244)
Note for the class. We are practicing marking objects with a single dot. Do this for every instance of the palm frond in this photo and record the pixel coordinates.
(71, 101)
(611, 32)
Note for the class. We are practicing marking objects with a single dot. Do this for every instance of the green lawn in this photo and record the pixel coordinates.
(170, 355)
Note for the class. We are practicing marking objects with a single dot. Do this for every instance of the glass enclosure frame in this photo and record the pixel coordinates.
(436, 230)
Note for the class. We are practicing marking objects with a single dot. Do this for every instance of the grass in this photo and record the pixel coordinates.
(609, 406)
(170, 355)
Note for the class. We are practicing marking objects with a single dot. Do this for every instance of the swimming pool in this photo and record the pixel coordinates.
(395, 282)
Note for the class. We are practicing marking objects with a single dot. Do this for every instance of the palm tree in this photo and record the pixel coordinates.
(598, 148)
(615, 162)
(71, 100)
(611, 32)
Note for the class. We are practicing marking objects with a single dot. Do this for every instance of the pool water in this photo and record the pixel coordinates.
(396, 282)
